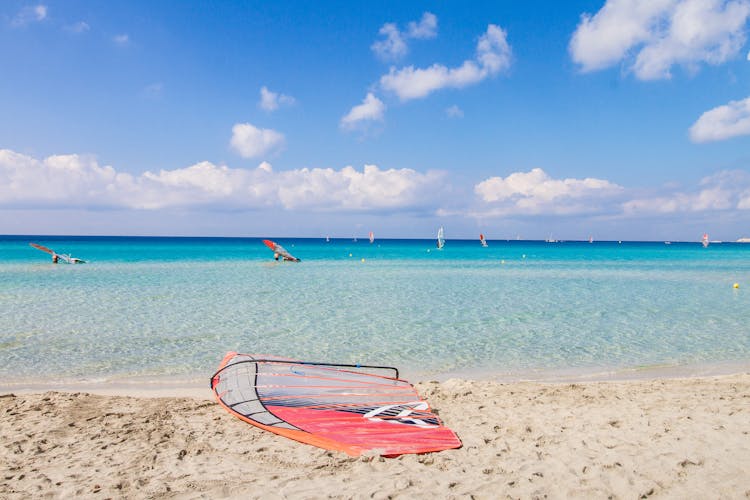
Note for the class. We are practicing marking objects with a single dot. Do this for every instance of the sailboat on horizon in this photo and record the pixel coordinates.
(704, 241)
(440, 238)
(482, 240)
(372, 237)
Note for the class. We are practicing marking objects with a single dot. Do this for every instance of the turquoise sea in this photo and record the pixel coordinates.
(156, 308)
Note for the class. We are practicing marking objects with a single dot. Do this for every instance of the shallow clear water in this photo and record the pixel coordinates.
(174, 306)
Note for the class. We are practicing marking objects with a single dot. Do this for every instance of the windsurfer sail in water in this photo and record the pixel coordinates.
(280, 252)
(56, 257)
(278, 256)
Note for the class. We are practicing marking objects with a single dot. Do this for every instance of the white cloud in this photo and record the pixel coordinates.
(348, 188)
(454, 112)
(425, 28)
(654, 35)
(726, 190)
(723, 122)
(371, 109)
(493, 55)
(393, 45)
(30, 14)
(79, 182)
(250, 141)
(121, 40)
(60, 179)
(271, 101)
(79, 27)
(74, 181)
(535, 192)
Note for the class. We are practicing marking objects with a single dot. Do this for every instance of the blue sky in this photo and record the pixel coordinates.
(617, 119)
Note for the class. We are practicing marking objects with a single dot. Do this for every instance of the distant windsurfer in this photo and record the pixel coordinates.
(280, 252)
(57, 256)
(276, 256)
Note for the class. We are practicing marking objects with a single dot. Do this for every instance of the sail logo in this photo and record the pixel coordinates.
(402, 414)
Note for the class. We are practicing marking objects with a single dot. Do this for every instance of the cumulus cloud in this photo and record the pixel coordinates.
(723, 122)
(535, 192)
(726, 190)
(75, 181)
(271, 101)
(425, 28)
(393, 45)
(251, 142)
(654, 35)
(493, 55)
(371, 109)
(30, 14)
(350, 189)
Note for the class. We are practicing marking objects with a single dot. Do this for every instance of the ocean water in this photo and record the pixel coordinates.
(154, 308)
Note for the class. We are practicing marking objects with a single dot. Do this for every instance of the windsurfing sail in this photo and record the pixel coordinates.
(704, 241)
(65, 258)
(482, 240)
(281, 251)
(440, 238)
(372, 237)
(348, 408)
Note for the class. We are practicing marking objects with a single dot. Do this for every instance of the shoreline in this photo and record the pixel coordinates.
(197, 386)
(673, 437)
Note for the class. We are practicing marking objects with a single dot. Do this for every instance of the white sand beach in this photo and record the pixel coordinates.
(674, 438)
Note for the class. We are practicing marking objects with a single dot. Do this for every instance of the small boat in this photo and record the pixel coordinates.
(328, 240)
(704, 241)
(550, 239)
(440, 238)
(591, 239)
(372, 237)
(482, 240)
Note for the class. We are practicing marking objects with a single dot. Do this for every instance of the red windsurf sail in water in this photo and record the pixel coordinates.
(65, 258)
(278, 249)
(345, 408)
(42, 248)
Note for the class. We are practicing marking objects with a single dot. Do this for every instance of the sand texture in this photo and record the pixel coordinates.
(669, 438)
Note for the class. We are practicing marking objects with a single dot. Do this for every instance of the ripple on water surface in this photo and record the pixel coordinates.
(427, 313)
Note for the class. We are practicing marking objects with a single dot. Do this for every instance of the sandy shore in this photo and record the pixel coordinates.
(676, 438)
